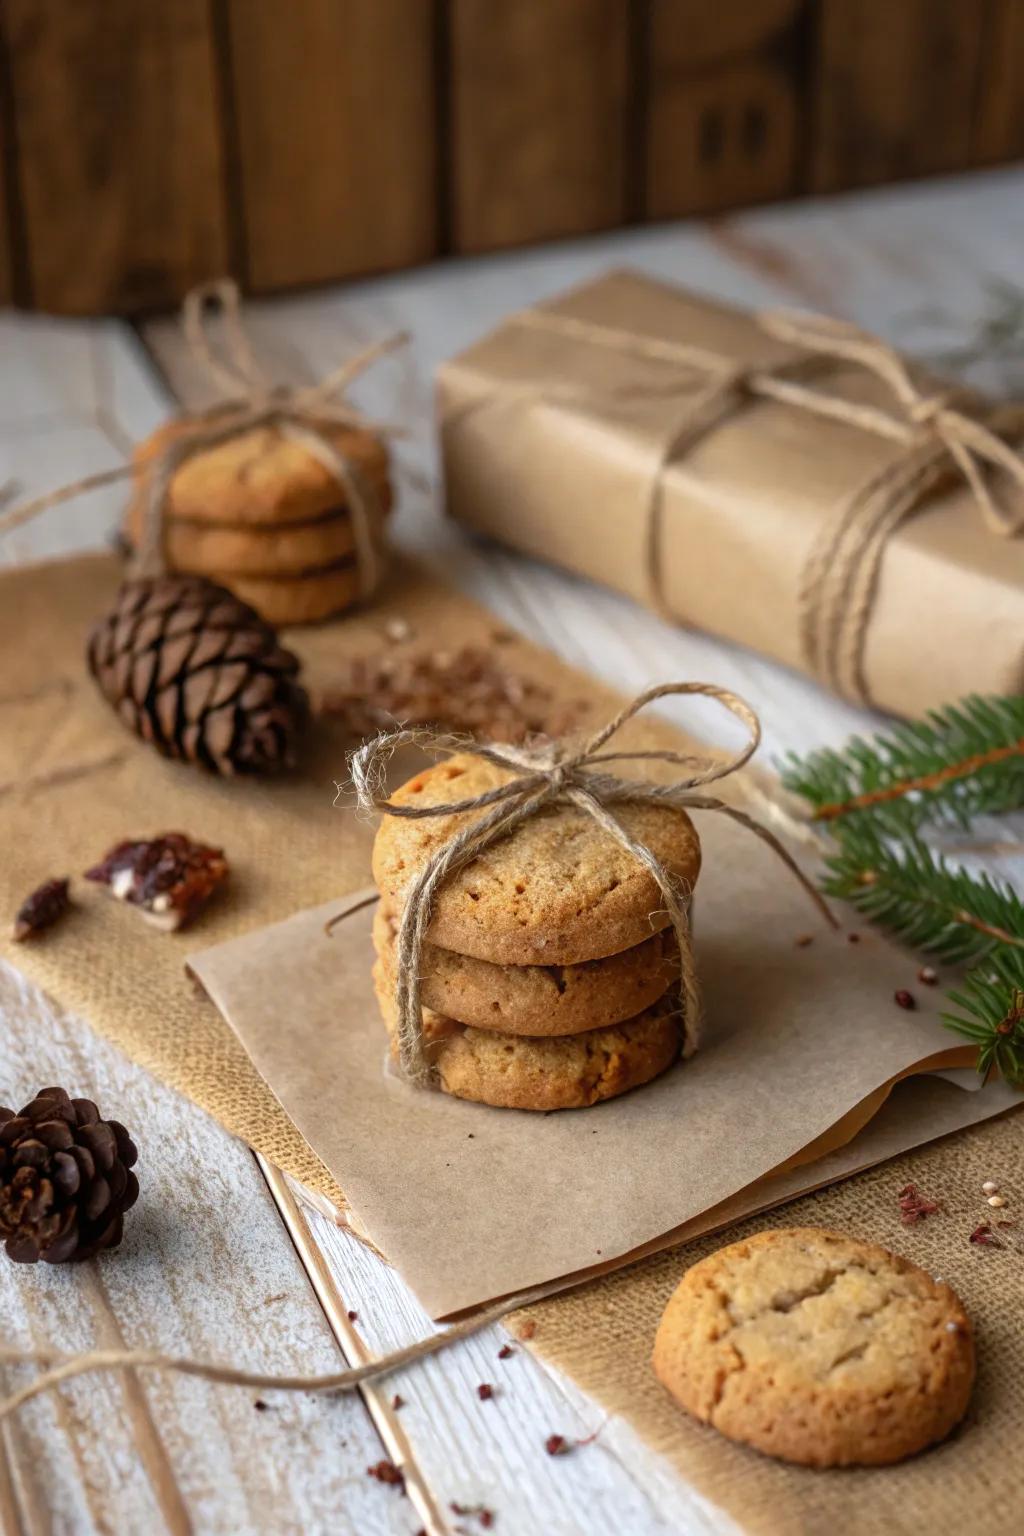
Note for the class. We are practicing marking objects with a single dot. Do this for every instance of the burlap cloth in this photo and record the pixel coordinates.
(72, 782)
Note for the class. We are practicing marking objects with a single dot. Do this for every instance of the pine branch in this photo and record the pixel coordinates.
(963, 761)
(919, 898)
(992, 1001)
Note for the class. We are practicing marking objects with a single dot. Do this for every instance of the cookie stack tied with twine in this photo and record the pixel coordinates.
(279, 495)
(276, 493)
(533, 934)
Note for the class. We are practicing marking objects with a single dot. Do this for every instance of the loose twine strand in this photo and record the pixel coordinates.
(302, 414)
(64, 1367)
(943, 432)
(545, 775)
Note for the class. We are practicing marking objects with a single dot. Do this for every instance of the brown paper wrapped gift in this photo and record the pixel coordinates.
(781, 480)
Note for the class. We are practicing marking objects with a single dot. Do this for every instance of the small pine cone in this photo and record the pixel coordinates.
(65, 1179)
(196, 672)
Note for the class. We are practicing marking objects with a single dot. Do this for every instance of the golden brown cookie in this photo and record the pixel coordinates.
(283, 600)
(537, 999)
(558, 890)
(260, 476)
(523, 1072)
(816, 1348)
(288, 549)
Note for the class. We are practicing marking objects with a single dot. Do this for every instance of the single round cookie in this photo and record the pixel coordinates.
(536, 999)
(284, 600)
(558, 890)
(816, 1348)
(523, 1072)
(289, 549)
(260, 476)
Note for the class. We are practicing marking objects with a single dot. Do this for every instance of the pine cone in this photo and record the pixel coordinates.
(65, 1179)
(196, 672)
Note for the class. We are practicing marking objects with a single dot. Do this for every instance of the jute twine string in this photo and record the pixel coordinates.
(64, 1367)
(943, 433)
(548, 774)
(301, 414)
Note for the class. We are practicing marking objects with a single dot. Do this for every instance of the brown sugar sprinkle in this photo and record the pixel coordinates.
(468, 690)
(484, 1391)
(904, 999)
(505, 1351)
(46, 905)
(914, 1206)
(387, 1472)
(556, 1445)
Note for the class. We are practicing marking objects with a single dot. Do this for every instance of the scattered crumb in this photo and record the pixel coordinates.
(505, 1351)
(397, 1402)
(804, 940)
(260, 1405)
(387, 1472)
(556, 1445)
(528, 1329)
(353, 1317)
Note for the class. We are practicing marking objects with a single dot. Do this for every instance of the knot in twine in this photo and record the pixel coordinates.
(967, 439)
(547, 774)
(249, 400)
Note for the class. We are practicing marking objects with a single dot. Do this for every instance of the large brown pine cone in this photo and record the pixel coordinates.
(65, 1179)
(196, 672)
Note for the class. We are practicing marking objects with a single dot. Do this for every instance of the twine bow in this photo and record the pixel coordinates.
(967, 439)
(548, 774)
(249, 400)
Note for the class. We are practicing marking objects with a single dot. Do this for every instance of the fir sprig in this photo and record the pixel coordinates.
(919, 898)
(960, 762)
(992, 1016)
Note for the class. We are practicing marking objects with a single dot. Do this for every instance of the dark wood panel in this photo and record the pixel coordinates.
(118, 150)
(334, 112)
(723, 109)
(538, 119)
(894, 89)
(999, 121)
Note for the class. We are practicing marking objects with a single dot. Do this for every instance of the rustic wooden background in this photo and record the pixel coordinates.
(146, 144)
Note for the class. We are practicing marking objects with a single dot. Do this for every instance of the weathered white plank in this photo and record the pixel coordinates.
(205, 1269)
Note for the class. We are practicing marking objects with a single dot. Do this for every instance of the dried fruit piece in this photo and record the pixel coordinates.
(46, 905)
(914, 1206)
(168, 877)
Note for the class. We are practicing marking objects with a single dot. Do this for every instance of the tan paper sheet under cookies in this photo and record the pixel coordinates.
(473, 1203)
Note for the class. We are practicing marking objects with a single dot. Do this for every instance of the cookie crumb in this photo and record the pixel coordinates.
(387, 1472)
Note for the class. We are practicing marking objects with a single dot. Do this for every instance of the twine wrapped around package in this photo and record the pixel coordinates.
(547, 774)
(251, 400)
(632, 432)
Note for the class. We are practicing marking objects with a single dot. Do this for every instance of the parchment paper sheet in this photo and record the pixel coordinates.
(473, 1203)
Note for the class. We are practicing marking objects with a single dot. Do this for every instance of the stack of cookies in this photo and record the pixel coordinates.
(550, 975)
(260, 515)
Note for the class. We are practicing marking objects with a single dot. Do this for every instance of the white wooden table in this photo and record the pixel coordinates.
(208, 1266)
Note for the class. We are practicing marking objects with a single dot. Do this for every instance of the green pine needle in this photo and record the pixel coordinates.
(960, 762)
(992, 1017)
(919, 898)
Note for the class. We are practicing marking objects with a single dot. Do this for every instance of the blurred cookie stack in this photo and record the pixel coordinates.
(550, 977)
(260, 515)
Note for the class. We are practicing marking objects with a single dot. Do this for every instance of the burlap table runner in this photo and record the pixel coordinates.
(602, 1335)
(73, 782)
